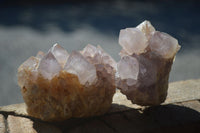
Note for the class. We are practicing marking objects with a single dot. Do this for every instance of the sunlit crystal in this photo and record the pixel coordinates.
(132, 40)
(29, 65)
(163, 44)
(106, 58)
(60, 54)
(97, 55)
(128, 68)
(89, 51)
(57, 86)
(49, 66)
(78, 65)
(146, 28)
(145, 65)
(92, 54)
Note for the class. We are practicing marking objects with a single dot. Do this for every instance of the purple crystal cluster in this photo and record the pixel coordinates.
(57, 85)
(146, 60)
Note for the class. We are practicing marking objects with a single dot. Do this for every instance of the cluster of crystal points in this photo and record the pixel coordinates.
(58, 85)
(146, 60)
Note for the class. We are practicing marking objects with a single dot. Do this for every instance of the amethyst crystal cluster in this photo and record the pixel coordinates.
(57, 85)
(146, 60)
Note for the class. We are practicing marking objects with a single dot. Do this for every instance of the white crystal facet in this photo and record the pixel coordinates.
(133, 40)
(146, 28)
(31, 63)
(60, 54)
(92, 54)
(163, 44)
(49, 66)
(78, 65)
(89, 51)
(128, 68)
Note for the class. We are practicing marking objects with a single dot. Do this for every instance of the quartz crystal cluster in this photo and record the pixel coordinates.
(146, 59)
(57, 85)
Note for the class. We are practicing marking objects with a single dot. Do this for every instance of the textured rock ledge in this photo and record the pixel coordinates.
(180, 91)
(181, 113)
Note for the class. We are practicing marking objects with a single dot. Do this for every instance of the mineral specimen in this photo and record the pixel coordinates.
(146, 60)
(56, 86)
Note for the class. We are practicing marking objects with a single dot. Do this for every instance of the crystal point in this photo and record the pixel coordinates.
(89, 50)
(92, 54)
(49, 66)
(96, 55)
(146, 28)
(133, 40)
(128, 67)
(164, 44)
(60, 53)
(78, 65)
(106, 58)
(30, 63)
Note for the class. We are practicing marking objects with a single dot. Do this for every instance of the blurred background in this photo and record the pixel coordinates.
(29, 26)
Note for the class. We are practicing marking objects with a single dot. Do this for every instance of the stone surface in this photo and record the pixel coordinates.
(176, 94)
(195, 105)
(18, 124)
(58, 86)
(145, 82)
(18, 109)
(164, 118)
(93, 126)
(183, 91)
(178, 116)
(2, 124)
